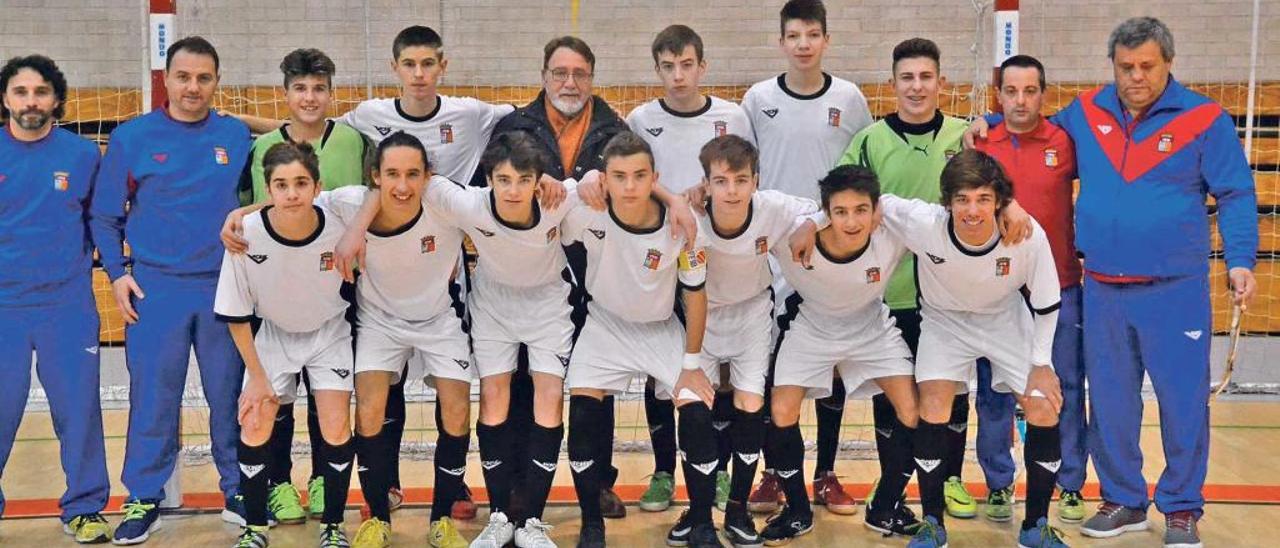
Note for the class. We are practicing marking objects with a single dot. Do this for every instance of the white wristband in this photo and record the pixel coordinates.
(692, 362)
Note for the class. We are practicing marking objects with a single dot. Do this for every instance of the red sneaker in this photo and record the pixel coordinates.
(828, 492)
(464, 508)
(768, 496)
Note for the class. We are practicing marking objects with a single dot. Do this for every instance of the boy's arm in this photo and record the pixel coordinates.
(693, 383)
(257, 388)
(350, 249)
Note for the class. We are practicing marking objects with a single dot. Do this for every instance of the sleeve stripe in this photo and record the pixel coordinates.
(1048, 309)
(233, 319)
(692, 287)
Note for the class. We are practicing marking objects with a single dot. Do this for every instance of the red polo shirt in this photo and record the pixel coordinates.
(1042, 165)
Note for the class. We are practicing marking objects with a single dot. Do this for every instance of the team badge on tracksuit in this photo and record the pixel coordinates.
(61, 180)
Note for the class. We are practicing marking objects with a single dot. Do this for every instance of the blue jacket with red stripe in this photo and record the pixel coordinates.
(1143, 184)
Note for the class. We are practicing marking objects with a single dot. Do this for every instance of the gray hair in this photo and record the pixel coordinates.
(1137, 31)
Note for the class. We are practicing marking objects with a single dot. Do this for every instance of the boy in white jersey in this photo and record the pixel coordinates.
(289, 280)
(633, 268)
(838, 322)
(676, 126)
(803, 119)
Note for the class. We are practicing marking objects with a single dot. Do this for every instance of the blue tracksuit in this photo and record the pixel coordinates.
(180, 181)
(1142, 227)
(47, 306)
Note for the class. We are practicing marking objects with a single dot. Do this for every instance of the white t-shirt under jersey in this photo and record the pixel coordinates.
(291, 283)
(406, 273)
(801, 137)
(849, 288)
(677, 137)
(455, 134)
(508, 255)
(742, 260)
(633, 273)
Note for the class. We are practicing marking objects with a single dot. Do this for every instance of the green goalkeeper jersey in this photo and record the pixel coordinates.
(342, 151)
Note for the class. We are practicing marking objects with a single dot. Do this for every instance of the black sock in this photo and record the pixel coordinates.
(722, 413)
(930, 450)
(540, 471)
(747, 436)
(393, 424)
(893, 444)
(610, 473)
(661, 415)
(336, 470)
(281, 446)
(830, 411)
(698, 442)
(520, 413)
(451, 464)
(787, 456)
(495, 460)
(254, 476)
(374, 456)
(313, 433)
(1043, 454)
(957, 435)
(586, 430)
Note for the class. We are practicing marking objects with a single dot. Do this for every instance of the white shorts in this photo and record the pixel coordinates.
(739, 334)
(951, 341)
(503, 317)
(438, 346)
(612, 350)
(325, 353)
(862, 349)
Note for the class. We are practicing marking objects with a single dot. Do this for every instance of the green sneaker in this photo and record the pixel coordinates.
(1000, 504)
(88, 529)
(286, 504)
(722, 489)
(662, 486)
(315, 496)
(1071, 507)
(960, 503)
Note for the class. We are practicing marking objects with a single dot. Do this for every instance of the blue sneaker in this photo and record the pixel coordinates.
(140, 519)
(233, 512)
(929, 535)
(1042, 535)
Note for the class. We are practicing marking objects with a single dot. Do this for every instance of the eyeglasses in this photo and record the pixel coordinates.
(562, 75)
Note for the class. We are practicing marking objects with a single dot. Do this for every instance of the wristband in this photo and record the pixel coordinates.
(692, 362)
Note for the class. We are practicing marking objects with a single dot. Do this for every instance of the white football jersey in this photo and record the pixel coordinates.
(742, 260)
(407, 272)
(633, 273)
(801, 137)
(849, 288)
(291, 283)
(455, 134)
(677, 137)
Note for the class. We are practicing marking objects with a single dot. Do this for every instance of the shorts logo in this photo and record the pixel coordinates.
(1166, 142)
(548, 466)
(873, 275)
(1050, 157)
(722, 127)
(770, 112)
(446, 134)
(653, 259)
(220, 156)
(490, 464)
(552, 233)
(762, 245)
(383, 131)
(833, 117)
(654, 131)
(462, 363)
(564, 359)
(456, 472)
(61, 180)
(599, 234)
(580, 465)
(928, 465)
(428, 244)
(1105, 129)
(326, 261)
(259, 259)
(343, 373)
(936, 259)
(487, 233)
(1002, 266)
(160, 157)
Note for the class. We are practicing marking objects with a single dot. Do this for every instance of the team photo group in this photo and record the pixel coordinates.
(740, 258)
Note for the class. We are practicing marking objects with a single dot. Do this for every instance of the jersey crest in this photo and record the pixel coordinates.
(220, 156)
(61, 180)
(428, 244)
(873, 275)
(762, 245)
(1050, 157)
(653, 259)
(446, 134)
(721, 127)
(1002, 266)
(326, 261)
(833, 117)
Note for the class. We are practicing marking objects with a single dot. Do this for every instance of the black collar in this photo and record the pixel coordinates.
(955, 240)
(692, 114)
(493, 209)
(271, 231)
(662, 219)
(751, 210)
(826, 85)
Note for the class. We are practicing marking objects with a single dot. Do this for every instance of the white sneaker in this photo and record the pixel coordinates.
(534, 535)
(496, 534)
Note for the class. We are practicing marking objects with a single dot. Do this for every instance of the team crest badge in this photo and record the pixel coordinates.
(762, 245)
(1166, 142)
(551, 234)
(1050, 157)
(446, 134)
(428, 244)
(722, 128)
(833, 117)
(873, 275)
(653, 259)
(220, 156)
(61, 180)
(1002, 266)
(326, 261)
